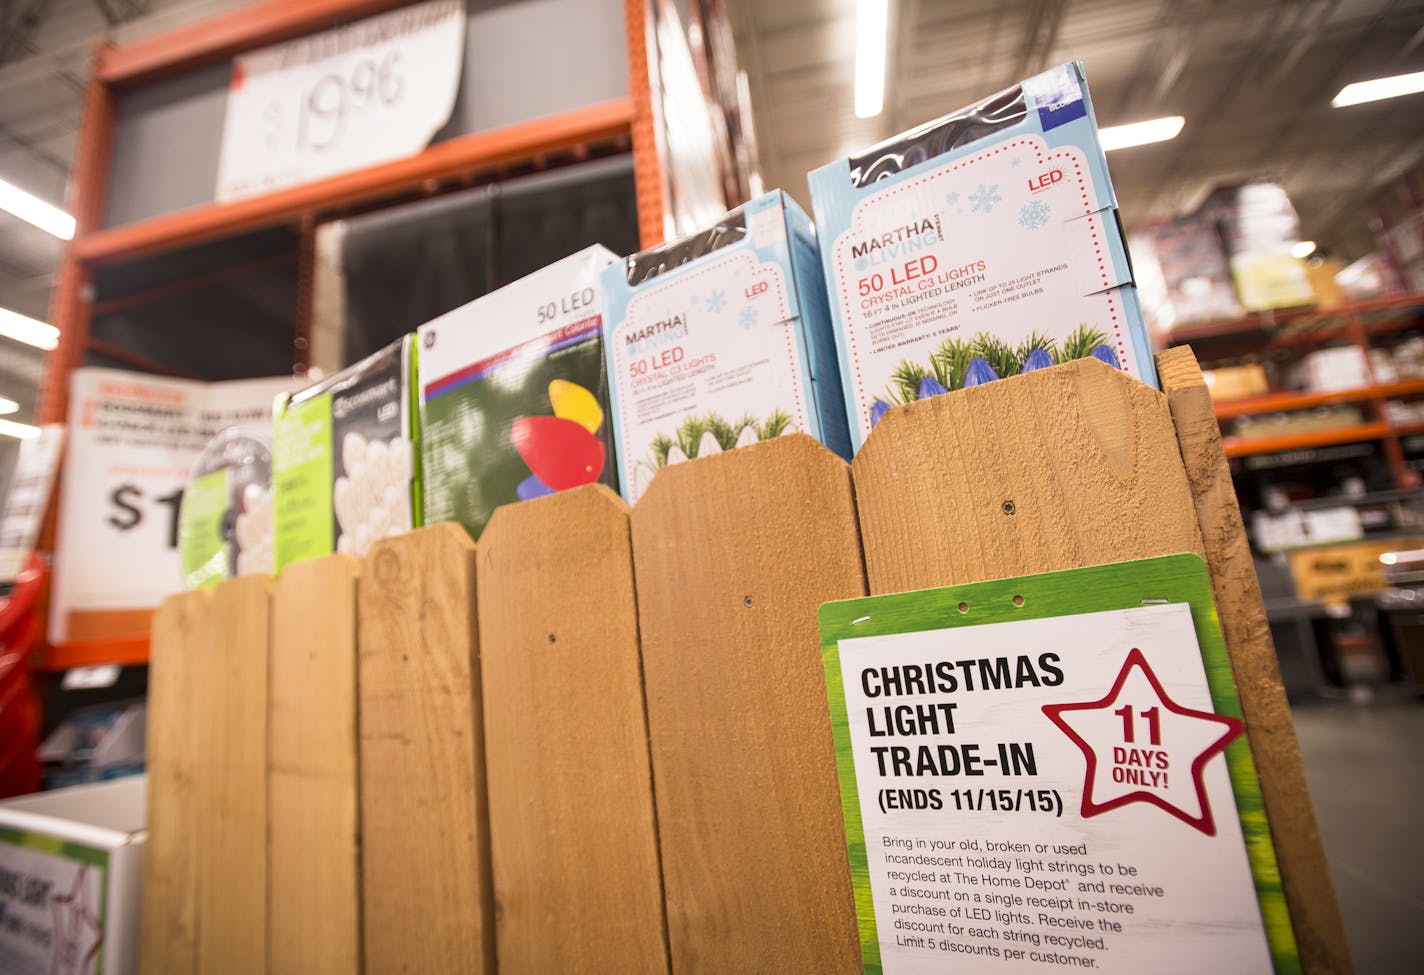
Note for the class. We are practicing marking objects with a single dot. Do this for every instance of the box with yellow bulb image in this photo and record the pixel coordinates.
(514, 394)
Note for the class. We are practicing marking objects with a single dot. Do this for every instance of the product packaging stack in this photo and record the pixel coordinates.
(1182, 273)
(1258, 226)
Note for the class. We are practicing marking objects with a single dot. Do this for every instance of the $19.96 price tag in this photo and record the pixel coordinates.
(343, 99)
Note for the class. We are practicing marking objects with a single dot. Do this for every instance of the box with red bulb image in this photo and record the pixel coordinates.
(513, 394)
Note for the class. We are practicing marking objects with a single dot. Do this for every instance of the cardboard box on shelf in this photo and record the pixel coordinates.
(1334, 573)
(1330, 370)
(1236, 382)
(70, 861)
(1182, 273)
(1258, 226)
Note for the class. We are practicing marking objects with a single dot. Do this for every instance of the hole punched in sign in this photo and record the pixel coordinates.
(1018, 600)
(964, 607)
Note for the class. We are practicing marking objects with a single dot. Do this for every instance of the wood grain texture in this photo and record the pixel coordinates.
(168, 918)
(230, 690)
(314, 893)
(1063, 467)
(573, 839)
(734, 555)
(1320, 932)
(426, 901)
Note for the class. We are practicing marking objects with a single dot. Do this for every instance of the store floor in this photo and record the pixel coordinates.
(1365, 763)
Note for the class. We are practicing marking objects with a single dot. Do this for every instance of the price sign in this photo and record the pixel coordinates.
(1051, 772)
(22, 511)
(358, 95)
(133, 441)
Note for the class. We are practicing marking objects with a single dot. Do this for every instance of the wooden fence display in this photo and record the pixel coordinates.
(599, 739)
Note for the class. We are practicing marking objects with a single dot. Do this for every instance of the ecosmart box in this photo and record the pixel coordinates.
(979, 245)
(345, 469)
(719, 340)
(514, 393)
(69, 879)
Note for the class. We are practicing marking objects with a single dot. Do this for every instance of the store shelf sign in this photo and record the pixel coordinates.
(1051, 771)
(365, 93)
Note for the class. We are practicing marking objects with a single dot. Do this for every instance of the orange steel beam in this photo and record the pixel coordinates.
(597, 123)
(69, 308)
(219, 37)
(649, 179)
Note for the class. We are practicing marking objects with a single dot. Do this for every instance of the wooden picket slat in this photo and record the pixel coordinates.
(230, 690)
(573, 839)
(1310, 894)
(168, 919)
(733, 556)
(426, 899)
(314, 896)
(1061, 468)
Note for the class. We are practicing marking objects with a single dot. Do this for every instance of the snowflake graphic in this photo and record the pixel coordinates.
(716, 301)
(952, 198)
(984, 198)
(1014, 162)
(1033, 214)
(747, 318)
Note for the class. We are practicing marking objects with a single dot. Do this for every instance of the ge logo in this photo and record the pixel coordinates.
(429, 342)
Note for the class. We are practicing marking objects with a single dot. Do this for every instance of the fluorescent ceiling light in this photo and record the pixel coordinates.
(20, 431)
(32, 209)
(22, 328)
(1303, 249)
(1141, 133)
(870, 17)
(1373, 91)
(8, 406)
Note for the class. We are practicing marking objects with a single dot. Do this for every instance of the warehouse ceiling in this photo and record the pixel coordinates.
(1253, 79)
(45, 50)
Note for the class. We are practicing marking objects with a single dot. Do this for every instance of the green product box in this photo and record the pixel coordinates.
(346, 459)
(514, 394)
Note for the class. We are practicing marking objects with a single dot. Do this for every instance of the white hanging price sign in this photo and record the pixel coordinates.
(343, 99)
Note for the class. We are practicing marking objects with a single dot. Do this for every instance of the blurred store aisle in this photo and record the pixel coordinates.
(1365, 764)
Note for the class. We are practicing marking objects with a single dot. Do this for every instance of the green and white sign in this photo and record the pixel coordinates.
(1050, 773)
(52, 905)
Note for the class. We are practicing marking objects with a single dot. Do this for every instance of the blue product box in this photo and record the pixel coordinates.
(982, 244)
(719, 340)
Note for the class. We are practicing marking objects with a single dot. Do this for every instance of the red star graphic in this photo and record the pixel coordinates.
(1137, 719)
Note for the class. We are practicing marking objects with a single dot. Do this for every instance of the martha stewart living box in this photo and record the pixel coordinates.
(719, 340)
(976, 246)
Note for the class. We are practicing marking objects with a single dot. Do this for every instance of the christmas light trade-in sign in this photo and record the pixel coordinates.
(1051, 773)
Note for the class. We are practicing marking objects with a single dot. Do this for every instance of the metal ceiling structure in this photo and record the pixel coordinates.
(45, 51)
(1253, 79)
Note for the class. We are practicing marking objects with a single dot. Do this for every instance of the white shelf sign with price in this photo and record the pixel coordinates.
(1051, 772)
(132, 443)
(354, 96)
